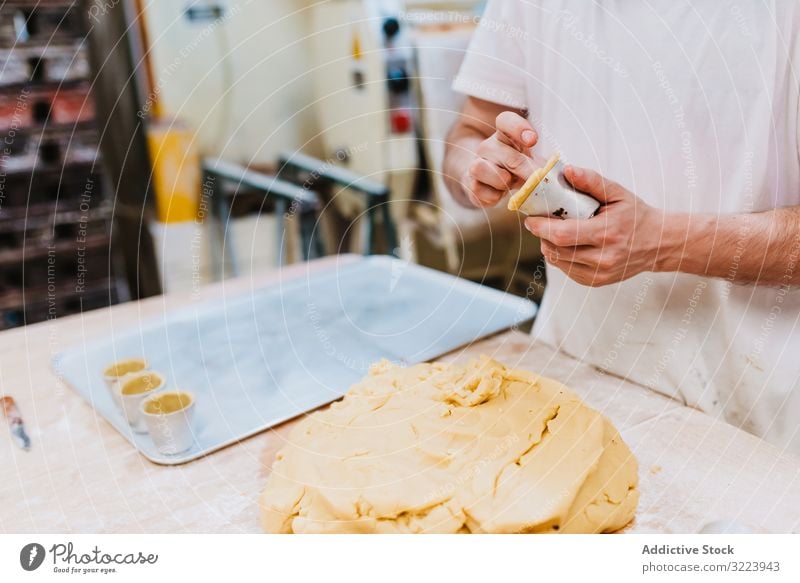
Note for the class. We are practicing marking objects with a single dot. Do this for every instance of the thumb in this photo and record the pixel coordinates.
(516, 131)
(594, 184)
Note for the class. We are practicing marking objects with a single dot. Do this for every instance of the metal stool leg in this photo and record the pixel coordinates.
(310, 237)
(389, 230)
(217, 172)
(224, 216)
(280, 230)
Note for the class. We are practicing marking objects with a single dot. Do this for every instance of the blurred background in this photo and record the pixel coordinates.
(153, 147)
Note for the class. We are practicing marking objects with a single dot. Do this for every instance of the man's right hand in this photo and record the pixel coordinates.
(503, 161)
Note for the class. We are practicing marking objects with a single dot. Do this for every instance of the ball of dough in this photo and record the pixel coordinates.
(446, 448)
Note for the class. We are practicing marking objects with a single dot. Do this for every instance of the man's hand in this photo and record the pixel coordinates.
(502, 161)
(622, 240)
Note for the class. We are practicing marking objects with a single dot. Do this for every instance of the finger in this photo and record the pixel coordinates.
(490, 174)
(516, 130)
(551, 253)
(583, 274)
(583, 254)
(595, 184)
(483, 196)
(507, 157)
(568, 233)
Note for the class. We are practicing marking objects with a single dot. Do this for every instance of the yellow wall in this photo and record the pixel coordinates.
(268, 59)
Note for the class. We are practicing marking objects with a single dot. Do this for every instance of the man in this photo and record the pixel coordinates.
(681, 118)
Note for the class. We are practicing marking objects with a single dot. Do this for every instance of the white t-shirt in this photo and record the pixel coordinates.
(692, 105)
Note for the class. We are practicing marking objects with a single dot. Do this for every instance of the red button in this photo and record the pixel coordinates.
(401, 121)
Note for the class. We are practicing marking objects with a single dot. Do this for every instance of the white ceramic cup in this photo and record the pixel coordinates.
(169, 416)
(134, 388)
(116, 371)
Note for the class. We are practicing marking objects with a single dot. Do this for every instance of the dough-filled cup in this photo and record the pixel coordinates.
(132, 390)
(169, 416)
(116, 371)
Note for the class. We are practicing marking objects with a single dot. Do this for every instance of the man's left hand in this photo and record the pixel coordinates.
(624, 239)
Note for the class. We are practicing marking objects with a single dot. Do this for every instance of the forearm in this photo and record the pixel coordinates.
(750, 248)
(462, 145)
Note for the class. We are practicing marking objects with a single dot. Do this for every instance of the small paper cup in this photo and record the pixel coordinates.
(134, 388)
(116, 371)
(169, 416)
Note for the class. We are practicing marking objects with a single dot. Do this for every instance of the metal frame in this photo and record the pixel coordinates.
(288, 198)
(376, 194)
(113, 49)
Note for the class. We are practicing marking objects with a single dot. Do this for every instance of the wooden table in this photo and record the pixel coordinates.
(82, 476)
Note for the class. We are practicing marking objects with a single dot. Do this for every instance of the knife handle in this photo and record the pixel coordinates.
(10, 410)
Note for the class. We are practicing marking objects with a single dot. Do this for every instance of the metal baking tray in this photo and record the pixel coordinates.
(262, 358)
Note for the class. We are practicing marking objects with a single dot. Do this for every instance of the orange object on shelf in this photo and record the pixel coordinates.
(176, 171)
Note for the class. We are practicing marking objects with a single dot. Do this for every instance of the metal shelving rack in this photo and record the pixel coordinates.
(56, 256)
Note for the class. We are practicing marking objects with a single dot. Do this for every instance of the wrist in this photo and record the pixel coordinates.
(682, 247)
(671, 251)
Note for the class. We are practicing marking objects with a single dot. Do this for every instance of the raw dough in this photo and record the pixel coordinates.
(519, 197)
(451, 448)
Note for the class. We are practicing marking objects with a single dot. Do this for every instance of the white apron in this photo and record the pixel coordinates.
(694, 107)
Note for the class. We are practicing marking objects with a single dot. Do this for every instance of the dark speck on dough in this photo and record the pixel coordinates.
(560, 213)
